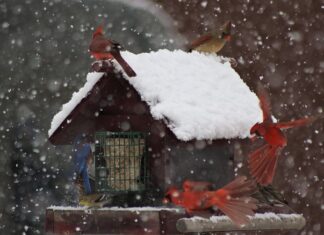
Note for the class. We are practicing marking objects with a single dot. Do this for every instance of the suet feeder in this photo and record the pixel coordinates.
(120, 162)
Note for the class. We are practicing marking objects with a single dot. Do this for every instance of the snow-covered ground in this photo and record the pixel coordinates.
(197, 95)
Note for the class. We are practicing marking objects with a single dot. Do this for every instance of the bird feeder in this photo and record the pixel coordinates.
(176, 120)
(121, 166)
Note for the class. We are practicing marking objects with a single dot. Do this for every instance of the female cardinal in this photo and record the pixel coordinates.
(105, 49)
(263, 161)
(213, 42)
(233, 199)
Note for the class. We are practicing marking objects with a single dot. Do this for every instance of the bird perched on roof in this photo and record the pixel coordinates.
(105, 49)
(214, 41)
(233, 199)
(263, 161)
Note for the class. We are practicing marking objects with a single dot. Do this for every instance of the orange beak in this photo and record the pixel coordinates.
(165, 200)
(253, 138)
(227, 38)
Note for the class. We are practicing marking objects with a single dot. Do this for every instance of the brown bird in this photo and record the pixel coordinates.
(213, 42)
(104, 49)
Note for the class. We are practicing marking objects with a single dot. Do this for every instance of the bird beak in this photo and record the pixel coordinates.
(227, 38)
(253, 137)
(165, 200)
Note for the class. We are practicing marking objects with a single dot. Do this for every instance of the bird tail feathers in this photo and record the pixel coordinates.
(234, 200)
(126, 67)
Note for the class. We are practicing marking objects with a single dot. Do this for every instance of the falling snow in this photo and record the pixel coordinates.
(44, 59)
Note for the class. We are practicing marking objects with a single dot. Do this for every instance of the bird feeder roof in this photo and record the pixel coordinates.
(198, 96)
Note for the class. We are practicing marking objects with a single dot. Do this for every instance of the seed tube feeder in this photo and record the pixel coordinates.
(177, 119)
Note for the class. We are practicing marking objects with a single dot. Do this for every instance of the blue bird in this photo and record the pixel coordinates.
(82, 154)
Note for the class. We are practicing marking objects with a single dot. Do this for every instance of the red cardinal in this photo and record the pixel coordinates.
(233, 199)
(263, 161)
(105, 49)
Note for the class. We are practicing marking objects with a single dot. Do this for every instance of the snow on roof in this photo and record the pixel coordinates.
(67, 108)
(198, 95)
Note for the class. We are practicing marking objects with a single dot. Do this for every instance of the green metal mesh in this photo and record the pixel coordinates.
(121, 161)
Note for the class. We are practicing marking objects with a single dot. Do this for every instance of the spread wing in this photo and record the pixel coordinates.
(235, 201)
(299, 122)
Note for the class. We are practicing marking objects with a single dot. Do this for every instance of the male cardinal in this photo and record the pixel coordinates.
(263, 161)
(213, 42)
(104, 49)
(233, 199)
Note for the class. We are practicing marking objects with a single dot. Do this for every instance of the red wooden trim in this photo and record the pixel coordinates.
(49, 221)
(112, 222)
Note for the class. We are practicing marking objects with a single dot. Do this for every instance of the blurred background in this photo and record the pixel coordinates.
(44, 59)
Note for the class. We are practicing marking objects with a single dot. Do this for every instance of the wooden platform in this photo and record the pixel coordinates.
(136, 221)
(155, 220)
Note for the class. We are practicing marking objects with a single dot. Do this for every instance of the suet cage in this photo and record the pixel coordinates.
(121, 162)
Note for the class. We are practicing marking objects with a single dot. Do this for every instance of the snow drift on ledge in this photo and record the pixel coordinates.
(197, 95)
